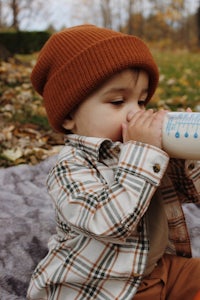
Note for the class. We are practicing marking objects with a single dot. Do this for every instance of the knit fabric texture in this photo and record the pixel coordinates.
(76, 61)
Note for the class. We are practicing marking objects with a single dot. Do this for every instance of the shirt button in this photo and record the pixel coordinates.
(156, 168)
(191, 166)
(117, 150)
(184, 254)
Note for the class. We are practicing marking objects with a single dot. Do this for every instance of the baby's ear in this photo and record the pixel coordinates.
(69, 123)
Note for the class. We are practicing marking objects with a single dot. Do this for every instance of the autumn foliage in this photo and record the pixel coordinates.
(25, 136)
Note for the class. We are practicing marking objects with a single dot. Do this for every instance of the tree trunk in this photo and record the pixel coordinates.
(106, 13)
(15, 12)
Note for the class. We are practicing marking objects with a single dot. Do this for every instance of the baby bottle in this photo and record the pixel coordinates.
(181, 135)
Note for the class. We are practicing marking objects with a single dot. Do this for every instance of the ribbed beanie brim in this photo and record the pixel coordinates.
(76, 61)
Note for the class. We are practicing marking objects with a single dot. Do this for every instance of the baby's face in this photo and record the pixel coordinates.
(102, 114)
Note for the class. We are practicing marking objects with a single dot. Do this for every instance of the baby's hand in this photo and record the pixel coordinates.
(144, 126)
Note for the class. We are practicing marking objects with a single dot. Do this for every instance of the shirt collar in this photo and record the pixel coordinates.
(96, 147)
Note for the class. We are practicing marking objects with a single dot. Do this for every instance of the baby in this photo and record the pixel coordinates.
(121, 232)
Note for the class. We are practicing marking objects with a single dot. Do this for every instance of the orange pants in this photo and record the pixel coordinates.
(174, 278)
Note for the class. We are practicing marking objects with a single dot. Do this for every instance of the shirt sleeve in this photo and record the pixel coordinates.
(85, 200)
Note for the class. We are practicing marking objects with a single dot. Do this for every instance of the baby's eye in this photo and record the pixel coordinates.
(117, 102)
(141, 103)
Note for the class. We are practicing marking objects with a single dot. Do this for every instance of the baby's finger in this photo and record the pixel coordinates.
(141, 117)
(133, 117)
(158, 118)
(146, 118)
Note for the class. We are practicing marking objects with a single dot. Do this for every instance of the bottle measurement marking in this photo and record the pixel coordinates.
(186, 125)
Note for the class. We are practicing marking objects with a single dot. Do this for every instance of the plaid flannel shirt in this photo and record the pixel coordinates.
(101, 191)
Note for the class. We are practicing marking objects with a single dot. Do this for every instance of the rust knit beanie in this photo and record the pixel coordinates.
(77, 60)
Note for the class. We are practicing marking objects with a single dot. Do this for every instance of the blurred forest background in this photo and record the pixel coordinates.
(163, 21)
(170, 28)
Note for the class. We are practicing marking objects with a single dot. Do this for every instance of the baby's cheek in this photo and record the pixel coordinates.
(117, 134)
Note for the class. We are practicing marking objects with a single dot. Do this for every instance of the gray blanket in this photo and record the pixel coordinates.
(27, 221)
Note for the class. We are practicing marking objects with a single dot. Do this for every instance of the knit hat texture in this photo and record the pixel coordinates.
(76, 61)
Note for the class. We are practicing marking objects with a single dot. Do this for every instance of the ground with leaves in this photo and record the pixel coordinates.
(25, 136)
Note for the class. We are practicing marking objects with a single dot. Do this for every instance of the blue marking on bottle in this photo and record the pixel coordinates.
(186, 135)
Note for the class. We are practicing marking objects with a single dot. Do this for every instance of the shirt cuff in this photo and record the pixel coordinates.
(145, 160)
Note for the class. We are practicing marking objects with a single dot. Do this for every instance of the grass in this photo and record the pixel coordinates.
(28, 116)
(179, 79)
